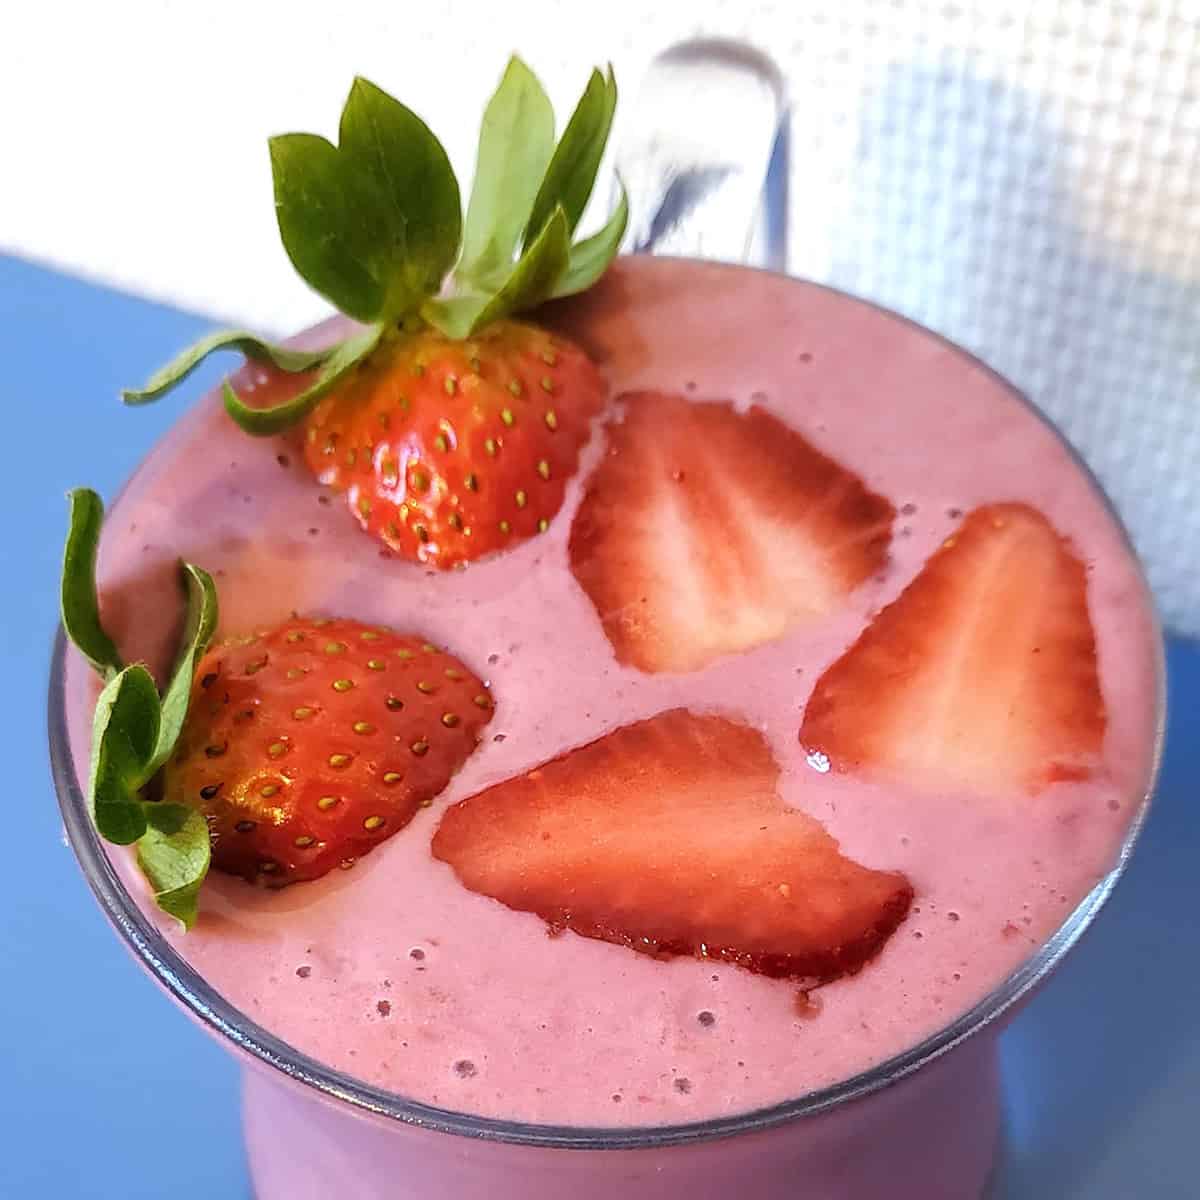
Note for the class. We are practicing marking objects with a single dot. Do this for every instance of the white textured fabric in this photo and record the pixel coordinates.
(1020, 175)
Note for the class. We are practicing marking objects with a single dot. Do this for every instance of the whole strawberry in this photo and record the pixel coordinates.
(451, 429)
(309, 744)
(276, 756)
(449, 450)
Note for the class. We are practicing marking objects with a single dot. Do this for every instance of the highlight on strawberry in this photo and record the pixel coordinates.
(450, 428)
(275, 756)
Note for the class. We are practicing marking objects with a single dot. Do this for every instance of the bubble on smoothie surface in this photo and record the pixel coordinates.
(303, 972)
(908, 509)
(952, 916)
(818, 761)
(416, 953)
(464, 1068)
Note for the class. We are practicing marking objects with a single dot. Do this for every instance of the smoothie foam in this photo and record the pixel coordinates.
(394, 973)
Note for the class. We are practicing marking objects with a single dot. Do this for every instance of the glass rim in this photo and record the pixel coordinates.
(220, 1016)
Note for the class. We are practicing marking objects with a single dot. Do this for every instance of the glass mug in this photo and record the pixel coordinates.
(922, 1126)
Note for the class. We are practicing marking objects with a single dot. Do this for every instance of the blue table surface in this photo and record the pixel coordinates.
(109, 1091)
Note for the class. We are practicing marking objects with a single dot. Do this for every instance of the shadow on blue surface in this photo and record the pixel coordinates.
(110, 1093)
(1103, 1070)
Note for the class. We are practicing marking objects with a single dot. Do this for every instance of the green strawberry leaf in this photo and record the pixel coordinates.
(133, 731)
(589, 259)
(572, 172)
(316, 202)
(174, 854)
(529, 282)
(124, 735)
(516, 141)
(79, 604)
(198, 632)
(264, 421)
(180, 367)
(372, 224)
(416, 223)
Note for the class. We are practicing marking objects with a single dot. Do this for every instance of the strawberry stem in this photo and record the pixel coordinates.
(374, 224)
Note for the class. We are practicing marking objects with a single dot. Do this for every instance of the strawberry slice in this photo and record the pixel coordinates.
(706, 531)
(449, 451)
(308, 745)
(981, 676)
(668, 837)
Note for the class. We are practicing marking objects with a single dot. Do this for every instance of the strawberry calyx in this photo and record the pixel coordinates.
(375, 225)
(135, 729)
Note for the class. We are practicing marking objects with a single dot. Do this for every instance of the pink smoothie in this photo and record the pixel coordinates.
(394, 973)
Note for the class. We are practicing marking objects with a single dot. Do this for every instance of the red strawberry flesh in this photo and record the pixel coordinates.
(308, 745)
(982, 675)
(706, 531)
(449, 451)
(668, 837)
